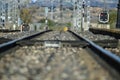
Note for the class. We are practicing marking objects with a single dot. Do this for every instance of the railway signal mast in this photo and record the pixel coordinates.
(118, 16)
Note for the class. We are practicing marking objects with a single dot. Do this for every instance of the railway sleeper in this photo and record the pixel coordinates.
(52, 43)
(107, 43)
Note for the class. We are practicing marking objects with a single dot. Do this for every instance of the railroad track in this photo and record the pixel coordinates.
(9, 35)
(105, 41)
(70, 58)
(3, 40)
(7, 30)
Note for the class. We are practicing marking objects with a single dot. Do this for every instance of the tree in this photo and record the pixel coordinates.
(26, 15)
(112, 18)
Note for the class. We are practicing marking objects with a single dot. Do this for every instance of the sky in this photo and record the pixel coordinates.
(109, 1)
(34, 0)
(101, 1)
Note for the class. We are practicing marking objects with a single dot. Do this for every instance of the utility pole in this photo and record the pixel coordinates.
(0, 11)
(105, 6)
(52, 9)
(118, 15)
(6, 13)
(46, 17)
(14, 16)
(61, 9)
(88, 15)
(79, 15)
(74, 15)
(2, 14)
(83, 14)
(19, 7)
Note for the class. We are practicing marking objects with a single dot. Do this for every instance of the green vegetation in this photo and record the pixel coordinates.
(113, 18)
(55, 25)
(26, 15)
(69, 24)
(50, 22)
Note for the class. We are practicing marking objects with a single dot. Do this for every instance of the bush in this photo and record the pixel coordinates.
(68, 24)
(112, 18)
(50, 22)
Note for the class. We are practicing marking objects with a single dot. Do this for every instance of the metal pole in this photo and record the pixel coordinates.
(46, 17)
(118, 16)
(88, 15)
(3, 16)
(52, 1)
(14, 23)
(18, 7)
(61, 8)
(79, 15)
(6, 13)
(105, 5)
(74, 14)
(83, 15)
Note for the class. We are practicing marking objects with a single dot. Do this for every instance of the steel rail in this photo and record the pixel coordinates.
(11, 44)
(107, 56)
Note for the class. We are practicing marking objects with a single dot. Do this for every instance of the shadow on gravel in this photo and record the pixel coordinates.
(4, 40)
(7, 30)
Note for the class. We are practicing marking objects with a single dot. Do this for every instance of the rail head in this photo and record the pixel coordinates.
(10, 44)
(107, 56)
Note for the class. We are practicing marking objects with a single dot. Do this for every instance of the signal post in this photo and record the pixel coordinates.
(118, 16)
